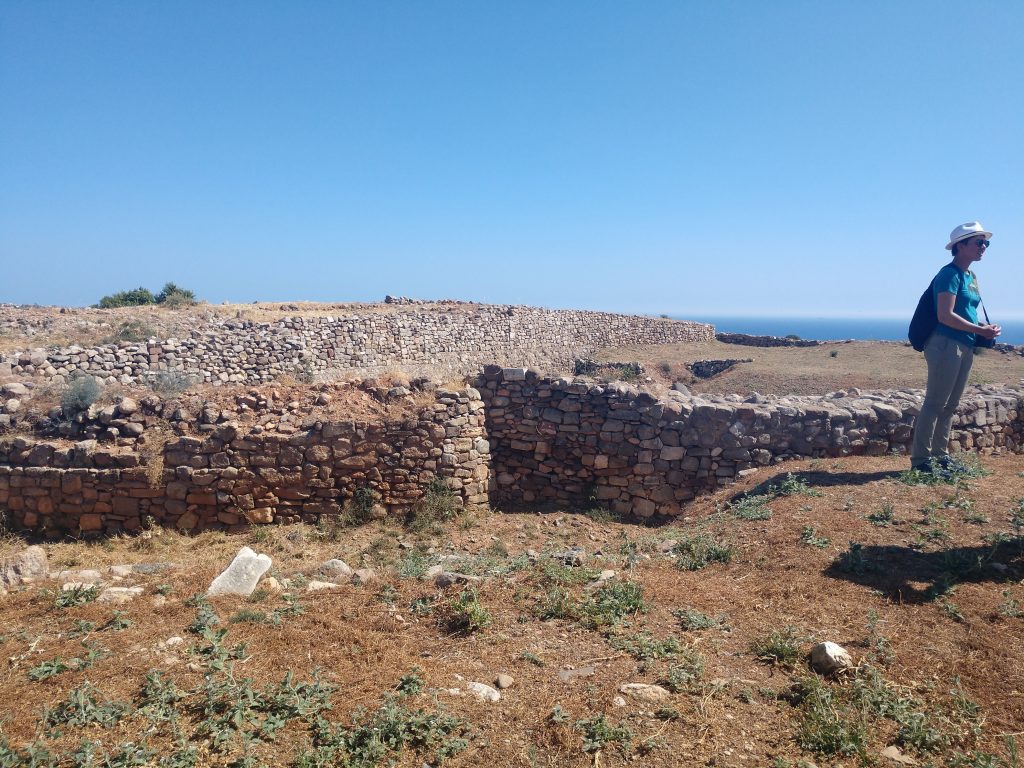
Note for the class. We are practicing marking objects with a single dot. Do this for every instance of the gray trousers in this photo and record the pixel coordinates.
(949, 364)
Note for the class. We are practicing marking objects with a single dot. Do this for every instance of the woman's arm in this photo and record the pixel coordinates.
(944, 303)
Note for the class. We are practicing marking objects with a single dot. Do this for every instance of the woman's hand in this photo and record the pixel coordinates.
(989, 331)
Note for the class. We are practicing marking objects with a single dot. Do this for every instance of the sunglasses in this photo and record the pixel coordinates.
(982, 243)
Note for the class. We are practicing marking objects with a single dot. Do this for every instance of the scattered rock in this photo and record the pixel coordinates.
(23, 568)
(119, 595)
(336, 570)
(316, 586)
(618, 701)
(86, 576)
(364, 576)
(446, 579)
(504, 681)
(829, 658)
(483, 692)
(572, 557)
(270, 583)
(242, 576)
(645, 691)
(893, 753)
(433, 572)
(567, 675)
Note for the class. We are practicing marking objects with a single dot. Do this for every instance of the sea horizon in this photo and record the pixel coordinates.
(832, 328)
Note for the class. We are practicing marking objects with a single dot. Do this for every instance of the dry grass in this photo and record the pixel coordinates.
(804, 370)
(151, 453)
(911, 606)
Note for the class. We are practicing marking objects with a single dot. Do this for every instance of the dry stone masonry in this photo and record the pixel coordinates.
(229, 479)
(515, 438)
(458, 339)
(573, 442)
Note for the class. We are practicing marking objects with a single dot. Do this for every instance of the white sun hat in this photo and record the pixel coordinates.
(964, 231)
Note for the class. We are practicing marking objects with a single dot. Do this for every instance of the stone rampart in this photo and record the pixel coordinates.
(516, 439)
(229, 479)
(570, 442)
(458, 340)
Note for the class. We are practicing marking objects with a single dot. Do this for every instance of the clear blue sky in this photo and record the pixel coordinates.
(679, 157)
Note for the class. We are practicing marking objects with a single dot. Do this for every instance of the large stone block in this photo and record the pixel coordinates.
(242, 576)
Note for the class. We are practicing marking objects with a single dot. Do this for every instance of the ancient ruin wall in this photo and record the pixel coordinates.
(229, 479)
(459, 340)
(570, 442)
(515, 439)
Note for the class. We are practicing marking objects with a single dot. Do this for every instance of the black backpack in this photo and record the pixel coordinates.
(924, 320)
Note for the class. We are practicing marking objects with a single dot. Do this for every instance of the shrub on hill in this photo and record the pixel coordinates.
(136, 298)
(175, 296)
(170, 295)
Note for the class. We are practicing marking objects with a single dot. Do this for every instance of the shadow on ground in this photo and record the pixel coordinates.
(911, 576)
(818, 480)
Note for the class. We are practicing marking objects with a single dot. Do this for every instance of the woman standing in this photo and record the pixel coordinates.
(950, 349)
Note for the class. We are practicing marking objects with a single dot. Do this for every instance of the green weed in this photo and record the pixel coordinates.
(692, 620)
(699, 551)
(72, 598)
(792, 485)
(464, 613)
(754, 507)
(612, 603)
(809, 537)
(645, 646)
(882, 517)
(598, 733)
(780, 648)
(685, 675)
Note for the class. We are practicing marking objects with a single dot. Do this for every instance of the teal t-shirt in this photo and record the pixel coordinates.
(963, 285)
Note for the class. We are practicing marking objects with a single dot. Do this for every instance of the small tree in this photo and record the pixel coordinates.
(136, 298)
(175, 296)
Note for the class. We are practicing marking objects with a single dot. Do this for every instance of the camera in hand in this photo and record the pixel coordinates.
(980, 342)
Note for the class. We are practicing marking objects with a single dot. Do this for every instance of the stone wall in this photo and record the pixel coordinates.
(229, 480)
(764, 341)
(457, 339)
(569, 442)
(517, 438)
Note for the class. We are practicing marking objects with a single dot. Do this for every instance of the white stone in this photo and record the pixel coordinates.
(23, 568)
(433, 572)
(316, 586)
(364, 576)
(645, 691)
(242, 576)
(87, 576)
(118, 595)
(618, 701)
(15, 389)
(504, 681)
(483, 692)
(336, 570)
(828, 658)
(271, 583)
(893, 753)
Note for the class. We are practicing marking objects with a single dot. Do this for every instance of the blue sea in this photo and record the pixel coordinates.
(833, 328)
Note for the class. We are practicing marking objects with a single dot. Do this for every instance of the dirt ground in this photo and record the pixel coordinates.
(922, 584)
(805, 370)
